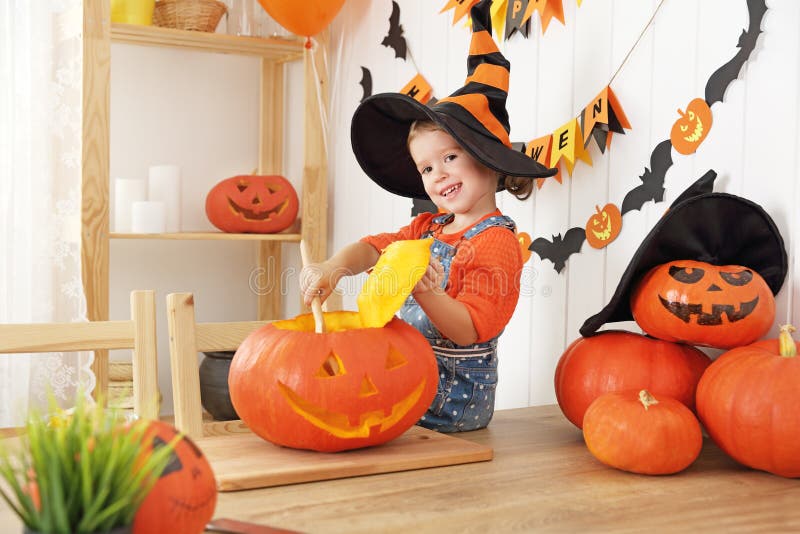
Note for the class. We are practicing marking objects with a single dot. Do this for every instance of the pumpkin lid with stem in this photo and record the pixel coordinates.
(716, 228)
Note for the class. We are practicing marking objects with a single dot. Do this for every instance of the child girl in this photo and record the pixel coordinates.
(457, 153)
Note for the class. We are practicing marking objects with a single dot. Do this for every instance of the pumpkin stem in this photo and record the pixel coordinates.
(788, 349)
(681, 113)
(647, 399)
(599, 211)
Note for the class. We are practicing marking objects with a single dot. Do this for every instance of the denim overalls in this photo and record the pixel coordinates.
(467, 374)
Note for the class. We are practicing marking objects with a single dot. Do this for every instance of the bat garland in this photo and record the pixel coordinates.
(394, 39)
(652, 187)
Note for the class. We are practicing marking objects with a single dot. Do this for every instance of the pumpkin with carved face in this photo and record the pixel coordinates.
(703, 304)
(603, 227)
(346, 388)
(692, 127)
(252, 204)
(185, 496)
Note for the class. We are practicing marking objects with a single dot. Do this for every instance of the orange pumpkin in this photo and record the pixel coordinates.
(703, 304)
(346, 388)
(748, 401)
(634, 431)
(603, 227)
(252, 204)
(615, 361)
(692, 127)
(185, 496)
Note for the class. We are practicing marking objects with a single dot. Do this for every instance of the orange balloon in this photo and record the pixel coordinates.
(302, 17)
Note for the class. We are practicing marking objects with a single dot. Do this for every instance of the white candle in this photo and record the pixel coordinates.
(126, 192)
(148, 217)
(164, 182)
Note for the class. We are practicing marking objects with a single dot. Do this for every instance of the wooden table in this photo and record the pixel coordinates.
(542, 478)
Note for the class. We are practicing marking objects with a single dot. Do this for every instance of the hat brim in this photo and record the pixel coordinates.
(716, 228)
(379, 136)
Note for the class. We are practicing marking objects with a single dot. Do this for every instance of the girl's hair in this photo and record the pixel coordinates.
(522, 188)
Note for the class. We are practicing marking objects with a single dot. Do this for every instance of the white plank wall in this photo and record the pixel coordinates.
(753, 144)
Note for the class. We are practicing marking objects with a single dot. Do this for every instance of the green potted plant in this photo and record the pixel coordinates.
(82, 471)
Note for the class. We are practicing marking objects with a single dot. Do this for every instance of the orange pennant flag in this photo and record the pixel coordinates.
(418, 88)
(596, 112)
(552, 9)
(462, 7)
(617, 109)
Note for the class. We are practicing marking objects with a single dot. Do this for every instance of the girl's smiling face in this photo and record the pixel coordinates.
(453, 179)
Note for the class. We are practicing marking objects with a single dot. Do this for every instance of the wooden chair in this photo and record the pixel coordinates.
(186, 338)
(138, 333)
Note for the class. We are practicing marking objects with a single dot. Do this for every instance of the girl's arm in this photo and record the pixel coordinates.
(352, 259)
(450, 316)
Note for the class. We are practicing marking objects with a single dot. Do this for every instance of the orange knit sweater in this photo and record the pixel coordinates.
(484, 275)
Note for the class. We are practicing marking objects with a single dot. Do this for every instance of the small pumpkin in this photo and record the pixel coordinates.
(637, 432)
(346, 388)
(615, 361)
(748, 401)
(604, 226)
(185, 496)
(722, 306)
(252, 204)
(692, 127)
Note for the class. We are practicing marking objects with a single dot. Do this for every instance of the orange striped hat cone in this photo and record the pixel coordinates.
(475, 115)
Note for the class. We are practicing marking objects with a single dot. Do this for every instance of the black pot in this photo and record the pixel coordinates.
(214, 393)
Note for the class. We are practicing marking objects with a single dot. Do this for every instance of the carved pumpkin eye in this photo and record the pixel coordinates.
(686, 275)
(691, 115)
(273, 188)
(241, 187)
(332, 366)
(684, 128)
(394, 359)
(739, 278)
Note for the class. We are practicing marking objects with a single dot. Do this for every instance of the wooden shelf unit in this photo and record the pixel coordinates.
(99, 32)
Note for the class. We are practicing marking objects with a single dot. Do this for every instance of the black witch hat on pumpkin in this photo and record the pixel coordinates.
(475, 116)
(715, 228)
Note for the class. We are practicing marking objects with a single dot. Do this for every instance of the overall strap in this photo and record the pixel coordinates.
(436, 223)
(495, 220)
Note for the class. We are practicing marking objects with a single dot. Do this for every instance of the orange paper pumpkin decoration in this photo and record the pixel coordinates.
(692, 128)
(524, 245)
(306, 18)
(185, 496)
(347, 388)
(252, 204)
(616, 361)
(703, 304)
(637, 432)
(603, 227)
(748, 401)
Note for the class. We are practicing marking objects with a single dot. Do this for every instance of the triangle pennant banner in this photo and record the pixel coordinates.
(418, 88)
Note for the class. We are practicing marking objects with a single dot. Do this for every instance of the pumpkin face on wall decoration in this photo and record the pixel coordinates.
(347, 388)
(252, 204)
(703, 304)
(604, 226)
(692, 127)
(185, 496)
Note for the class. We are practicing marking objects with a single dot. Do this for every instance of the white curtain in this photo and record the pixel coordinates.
(40, 203)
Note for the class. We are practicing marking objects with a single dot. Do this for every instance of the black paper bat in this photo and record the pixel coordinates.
(366, 82)
(395, 39)
(423, 206)
(559, 249)
(723, 76)
(652, 187)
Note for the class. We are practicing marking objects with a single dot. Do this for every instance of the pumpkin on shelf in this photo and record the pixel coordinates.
(616, 360)
(748, 401)
(637, 432)
(252, 204)
(703, 304)
(692, 127)
(185, 496)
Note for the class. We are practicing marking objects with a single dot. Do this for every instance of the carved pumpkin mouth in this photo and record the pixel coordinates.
(684, 312)
(251, 215)
(697, 133)
(340, 425)
(605, 233)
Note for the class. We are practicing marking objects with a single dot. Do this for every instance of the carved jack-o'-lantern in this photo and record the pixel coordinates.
(692, 128)
(603, 227)
(347, 388)
(703, 304)
(252, 204)
(185, 496)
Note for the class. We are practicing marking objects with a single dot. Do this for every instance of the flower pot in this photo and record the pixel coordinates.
(214, 394)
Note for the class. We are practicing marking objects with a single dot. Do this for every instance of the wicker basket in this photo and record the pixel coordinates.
(194, 15)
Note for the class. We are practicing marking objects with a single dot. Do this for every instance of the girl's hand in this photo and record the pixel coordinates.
(432, 279)
(317, 280)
